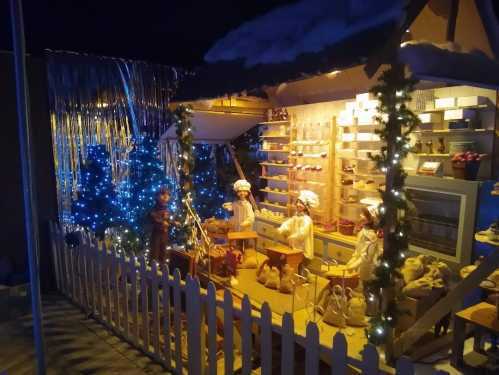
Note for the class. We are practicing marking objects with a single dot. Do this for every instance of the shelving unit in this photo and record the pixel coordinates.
(479, 135)
(356, 137)
(276, 139)
(312, 156)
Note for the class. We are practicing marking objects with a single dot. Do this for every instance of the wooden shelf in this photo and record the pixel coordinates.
(374, 175)
(453, 131)
(274, 205)
(280, 122)
(274, 136)
(479, 106)
(276, 165)
(274, 192)
(434, 155)
(484, 239)
(345, 203)
(274, 178)
(280, 151)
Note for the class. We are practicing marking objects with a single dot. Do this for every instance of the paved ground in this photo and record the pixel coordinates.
(74, 344)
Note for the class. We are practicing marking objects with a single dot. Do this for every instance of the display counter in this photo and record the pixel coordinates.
(328, 245)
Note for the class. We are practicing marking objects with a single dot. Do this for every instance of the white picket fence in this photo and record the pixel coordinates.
(144, 306)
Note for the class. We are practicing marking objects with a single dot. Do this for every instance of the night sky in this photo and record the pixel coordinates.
(173, 32)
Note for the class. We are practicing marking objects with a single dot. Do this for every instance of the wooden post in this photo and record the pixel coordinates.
(451, 21)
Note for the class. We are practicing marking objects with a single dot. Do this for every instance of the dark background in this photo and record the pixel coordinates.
(172, 32)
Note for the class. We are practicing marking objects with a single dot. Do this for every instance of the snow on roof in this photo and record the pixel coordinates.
(449, 63)
(307, 26)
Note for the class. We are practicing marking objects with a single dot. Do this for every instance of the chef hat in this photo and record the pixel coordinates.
(309, 198)
(242, 185)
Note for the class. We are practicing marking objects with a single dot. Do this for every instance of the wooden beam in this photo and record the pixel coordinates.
(241, 173)
(450, 302)
(388, 53)
(451, 21)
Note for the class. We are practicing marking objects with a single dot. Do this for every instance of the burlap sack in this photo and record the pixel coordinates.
(263, 274)
(273, 279)
(249, 259)
(356, 315)
(419, 288)
(334, 312)
(413, 269)
(287, 279)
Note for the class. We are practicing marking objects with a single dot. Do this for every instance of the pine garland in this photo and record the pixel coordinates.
(182, 119)
(398, 121)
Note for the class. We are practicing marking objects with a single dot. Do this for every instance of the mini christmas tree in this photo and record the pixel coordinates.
(96, 206)
(209, 195)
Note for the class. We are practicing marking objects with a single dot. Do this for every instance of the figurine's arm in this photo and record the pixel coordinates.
(303, 231)
(250, 217)
(285, 227)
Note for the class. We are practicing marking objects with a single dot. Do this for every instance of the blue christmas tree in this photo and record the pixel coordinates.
(96, 206)
(146, 177)
(209, 197)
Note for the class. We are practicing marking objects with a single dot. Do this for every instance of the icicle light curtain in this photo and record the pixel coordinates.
(98, 100)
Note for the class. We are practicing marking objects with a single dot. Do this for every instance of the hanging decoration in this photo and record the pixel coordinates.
(398, 121)
(96, 207)
(181, 117)
(99, 100)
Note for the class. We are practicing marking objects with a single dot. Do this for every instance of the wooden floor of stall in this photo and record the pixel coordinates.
(75, 344)
(281, 303)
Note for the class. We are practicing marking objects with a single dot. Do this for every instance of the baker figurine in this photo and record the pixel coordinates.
(368, 250)
(299, 228)
(161, 220)
(243, 216)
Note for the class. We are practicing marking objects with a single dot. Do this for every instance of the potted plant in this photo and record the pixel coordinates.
(465, 165)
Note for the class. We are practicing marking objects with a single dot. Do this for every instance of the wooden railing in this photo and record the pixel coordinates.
(179, 324)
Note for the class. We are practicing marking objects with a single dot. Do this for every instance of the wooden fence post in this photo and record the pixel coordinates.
(228, 333)
(165, 286)
(339, 355)
(211, 319)
(266, 339)
(288, 345)
(247, 347)
(193, 301)
(312, 350)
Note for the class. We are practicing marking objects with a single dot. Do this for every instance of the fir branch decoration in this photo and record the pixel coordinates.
(182, 120)
(398, 121)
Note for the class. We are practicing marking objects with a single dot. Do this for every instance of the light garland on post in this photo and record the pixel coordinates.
(398, 121)
(181, 118)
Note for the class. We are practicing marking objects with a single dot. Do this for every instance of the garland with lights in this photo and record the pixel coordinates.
(96, 207)
(398, 121)
(184, 233)
(209, 196)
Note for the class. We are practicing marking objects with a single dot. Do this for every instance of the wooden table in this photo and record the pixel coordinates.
(242, 236)
(279, 255)
(483, 316)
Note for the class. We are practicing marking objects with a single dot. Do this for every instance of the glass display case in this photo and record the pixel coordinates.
(442, 217)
